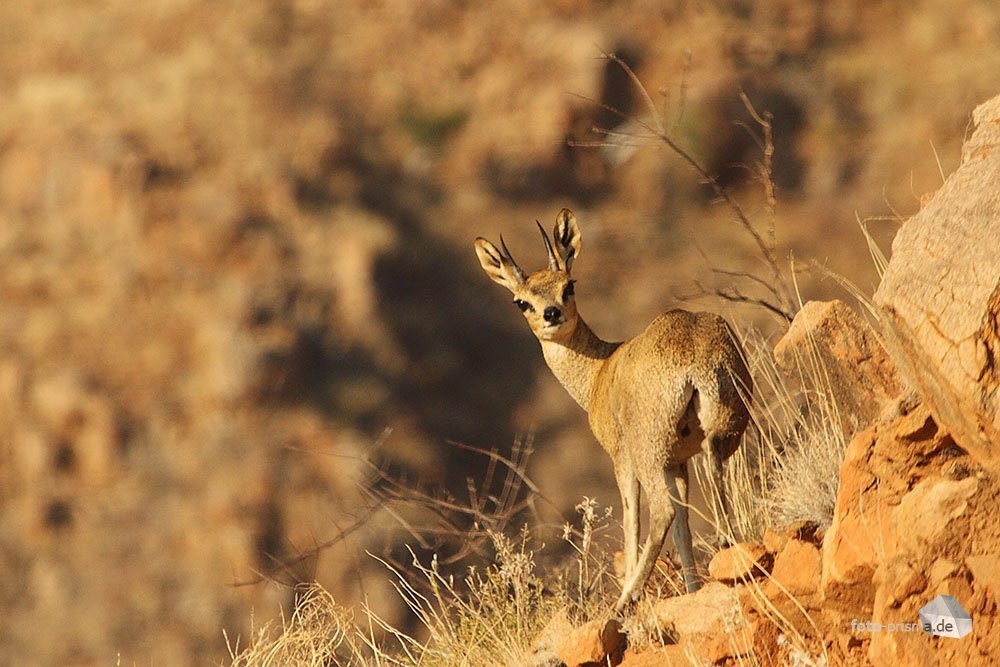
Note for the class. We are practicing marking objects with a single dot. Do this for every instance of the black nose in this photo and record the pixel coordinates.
(551, 314)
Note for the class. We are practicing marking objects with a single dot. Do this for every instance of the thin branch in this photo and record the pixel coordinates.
(735, 296)
(749, 276)
(766, 247)
(642, 90)
(682, 96)
(286, 566)
(517, 470)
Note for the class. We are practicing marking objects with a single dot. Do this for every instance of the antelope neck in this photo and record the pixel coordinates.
(576, 361)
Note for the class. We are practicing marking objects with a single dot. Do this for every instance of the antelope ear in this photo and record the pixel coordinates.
(498, 266)
(567, 237)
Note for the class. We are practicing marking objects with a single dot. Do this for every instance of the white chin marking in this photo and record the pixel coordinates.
(553, 330)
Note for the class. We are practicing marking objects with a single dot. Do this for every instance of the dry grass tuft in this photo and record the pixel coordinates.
(487, 618)
(798, 441)
(318, 633)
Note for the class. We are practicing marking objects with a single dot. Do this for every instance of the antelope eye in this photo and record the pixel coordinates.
(568, 292)
(522, 304)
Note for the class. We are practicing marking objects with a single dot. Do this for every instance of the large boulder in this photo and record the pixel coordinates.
(940, 296)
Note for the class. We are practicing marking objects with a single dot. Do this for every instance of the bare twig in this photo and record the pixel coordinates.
(642, 90)
(746, 275)
(734, 295)
(286, 566)
(466, 526)
(765, 168)
(682, 96)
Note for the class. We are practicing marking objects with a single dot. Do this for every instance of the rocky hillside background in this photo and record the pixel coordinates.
(236, 264)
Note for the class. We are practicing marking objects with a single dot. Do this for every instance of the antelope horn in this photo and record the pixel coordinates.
(518, 273)
(553, 260)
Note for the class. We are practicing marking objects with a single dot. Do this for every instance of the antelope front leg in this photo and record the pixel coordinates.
(628, 486)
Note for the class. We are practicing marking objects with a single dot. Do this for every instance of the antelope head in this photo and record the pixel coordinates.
(546, 296)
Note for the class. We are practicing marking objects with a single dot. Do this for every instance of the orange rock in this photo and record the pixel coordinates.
(923, 515)
(593, 642)
(671, 655)
(861, 532)
(862, 377)
(937, 522)
(712, 610)
(544, 649)
(900, 580)
(764, 639)
(796, 613)
(798, 568)
(776, 537)
(740, 562)
(985, 569)
(729, 646)
(774, 540)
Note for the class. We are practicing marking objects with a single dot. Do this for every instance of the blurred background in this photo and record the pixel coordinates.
(239, 303)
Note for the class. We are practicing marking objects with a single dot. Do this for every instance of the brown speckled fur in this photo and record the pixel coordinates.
(678, 388)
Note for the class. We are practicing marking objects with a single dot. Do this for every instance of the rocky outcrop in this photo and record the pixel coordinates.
(913, 520)
(940, 296)
(830, 336)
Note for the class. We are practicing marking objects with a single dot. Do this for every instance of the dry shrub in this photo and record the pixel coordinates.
(797, 440)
